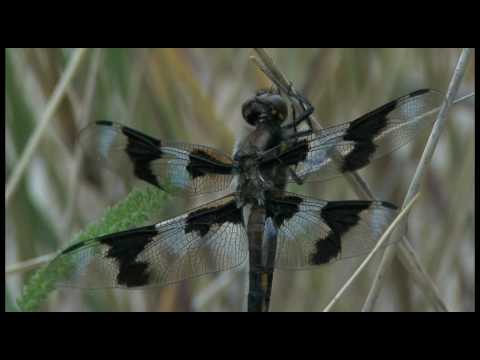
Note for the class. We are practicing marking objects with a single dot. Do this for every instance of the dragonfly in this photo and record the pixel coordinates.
(258, 220)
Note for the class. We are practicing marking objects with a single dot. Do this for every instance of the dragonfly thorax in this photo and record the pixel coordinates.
(254, 179)
(251, 183)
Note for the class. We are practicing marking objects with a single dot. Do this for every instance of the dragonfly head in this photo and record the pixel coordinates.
(266, 105)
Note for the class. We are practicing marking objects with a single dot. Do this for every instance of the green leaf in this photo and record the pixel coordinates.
(134, 210)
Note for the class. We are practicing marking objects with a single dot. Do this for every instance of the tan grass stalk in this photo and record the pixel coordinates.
(52, 105)
(407, 251)
(364, 263)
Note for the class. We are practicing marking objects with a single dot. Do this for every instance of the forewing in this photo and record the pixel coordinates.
(205, 240)
(351, 146)
(312, 232)
(174, 167)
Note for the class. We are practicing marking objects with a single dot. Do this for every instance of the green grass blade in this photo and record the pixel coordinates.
(134, 210)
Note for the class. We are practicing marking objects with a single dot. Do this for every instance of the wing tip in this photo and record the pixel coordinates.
(104, 122)
(419, 92)
(424, 91)
(72, 248)
(388, 205)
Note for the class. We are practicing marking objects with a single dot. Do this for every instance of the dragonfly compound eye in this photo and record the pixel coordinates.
(278, 107)
(264, 106)
(252, 111)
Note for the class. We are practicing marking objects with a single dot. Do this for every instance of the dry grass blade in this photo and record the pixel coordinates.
(439, 124)
(464, 98)
(450, 242)
(411, 261)
(29, 264)
(84, 115)
(406, 251)
(272, 69)
(217, 285)
(52, 105)
(364, 263)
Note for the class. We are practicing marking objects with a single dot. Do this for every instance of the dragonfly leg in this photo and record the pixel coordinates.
(294, 116)
(308, 110)
(292, 172)
(295, 177)
(299, 134)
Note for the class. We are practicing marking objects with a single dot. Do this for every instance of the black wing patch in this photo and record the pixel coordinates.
(203, 164)
(351, 146)
(208, 239)
(124, 247)
(312, 232)
(174, 167)
(140, 148)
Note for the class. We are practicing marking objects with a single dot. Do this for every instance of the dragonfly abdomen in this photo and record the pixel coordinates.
(261, 257)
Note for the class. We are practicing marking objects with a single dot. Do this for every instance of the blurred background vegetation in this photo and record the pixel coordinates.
(195, 95)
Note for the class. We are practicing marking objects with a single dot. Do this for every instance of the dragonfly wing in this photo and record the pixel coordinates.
(313, 232)
(205, 240)
(351, 146)
(174, 167)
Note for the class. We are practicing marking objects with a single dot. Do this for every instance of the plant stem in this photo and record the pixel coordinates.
(55, 99)
(432, 142)
(380, 242)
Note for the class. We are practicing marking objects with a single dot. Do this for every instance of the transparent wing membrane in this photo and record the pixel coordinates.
(207, 239)
(351, 146)
(174, 167)
(313, 232)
